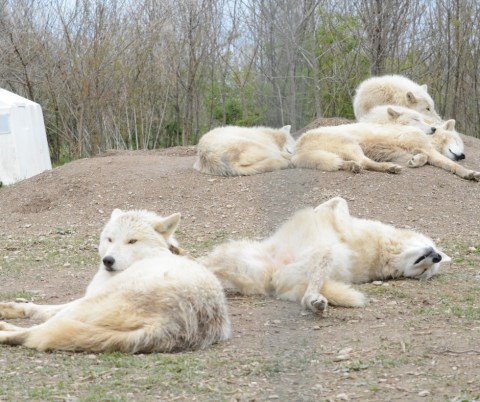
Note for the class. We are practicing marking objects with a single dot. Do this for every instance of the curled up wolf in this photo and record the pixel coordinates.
(144, 298)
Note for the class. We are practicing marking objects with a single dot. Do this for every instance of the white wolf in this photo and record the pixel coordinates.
(393, 90)
(380, 147)
(315, 254)
(142, 299)
(240, 151)
(391, 114)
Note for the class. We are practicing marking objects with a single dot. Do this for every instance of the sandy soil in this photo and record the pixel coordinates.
(415, 341)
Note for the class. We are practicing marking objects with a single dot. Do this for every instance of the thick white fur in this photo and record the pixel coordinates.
(240, 151)
(380, 147)
(315, 254)
(149, 300)
(393, 90)
(392, 114)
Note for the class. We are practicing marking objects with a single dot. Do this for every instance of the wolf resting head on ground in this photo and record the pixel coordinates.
(448, 142)
(316, 254)
(391, 114)
(143, 299)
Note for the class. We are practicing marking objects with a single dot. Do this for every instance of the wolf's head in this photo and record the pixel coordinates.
(448, 142)
(130, 236)
(422, 102)
(418, 256)
(393, 114)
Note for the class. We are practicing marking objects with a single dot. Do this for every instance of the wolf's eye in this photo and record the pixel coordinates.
(428, 109)
(109, 239)
(132, 241)
(419, 259)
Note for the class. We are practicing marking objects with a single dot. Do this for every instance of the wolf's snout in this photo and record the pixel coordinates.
(108, 261)
(457, 157)
(436, 257)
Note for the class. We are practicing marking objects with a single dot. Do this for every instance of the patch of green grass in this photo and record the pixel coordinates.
(21, 294)
(468, 312)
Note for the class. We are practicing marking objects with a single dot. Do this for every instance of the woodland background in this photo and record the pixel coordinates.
(143, 74)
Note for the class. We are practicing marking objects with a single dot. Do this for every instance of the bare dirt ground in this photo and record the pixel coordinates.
(415, 341)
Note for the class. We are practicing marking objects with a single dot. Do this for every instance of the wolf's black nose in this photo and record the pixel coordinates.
(436, 257)
(108, 261)
(460, 157)
(434, 129)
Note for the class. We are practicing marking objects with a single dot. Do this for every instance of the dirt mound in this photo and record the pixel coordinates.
(50, 225)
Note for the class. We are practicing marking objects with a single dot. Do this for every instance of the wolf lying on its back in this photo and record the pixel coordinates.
(142, 299)
(241, 151)
(313, 257)
(380, 147)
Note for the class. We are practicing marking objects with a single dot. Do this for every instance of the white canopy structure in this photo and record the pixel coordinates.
(23, 140)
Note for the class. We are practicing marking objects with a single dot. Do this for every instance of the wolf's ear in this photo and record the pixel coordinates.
(411, 98)
(424, 87)
(286, 129)
(167, 226)
(449, 125)
(116, 212)
(393, 113)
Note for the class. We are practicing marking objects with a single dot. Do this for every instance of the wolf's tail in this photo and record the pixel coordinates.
(341, 294)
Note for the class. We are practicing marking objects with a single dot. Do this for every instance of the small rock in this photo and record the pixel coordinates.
(341, 358)
(409, 208)
(345, 351)
(342, 397)
(377, 283)
(424, 393)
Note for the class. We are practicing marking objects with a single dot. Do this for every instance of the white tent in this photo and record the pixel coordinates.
(23, 141)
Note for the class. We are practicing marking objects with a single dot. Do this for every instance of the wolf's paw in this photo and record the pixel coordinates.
(394, 169)
(315, 302)
(473, 176)
(10, 310)
(352, 166)
(418, 160)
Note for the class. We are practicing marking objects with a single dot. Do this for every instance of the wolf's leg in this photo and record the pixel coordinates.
(435, 158)
(8, 327)
(354, 152)
(69, 334)
(29, 310)
(318, 268)
(255, 159)
(324, 160)
(268, 164)
(369, 164)
(342, 294)
(418, 160)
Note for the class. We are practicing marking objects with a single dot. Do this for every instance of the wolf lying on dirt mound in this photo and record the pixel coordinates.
(381, 147)
(314, 256)
(393, 90)
(391, 114)
(242, 151)
(143, 298)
